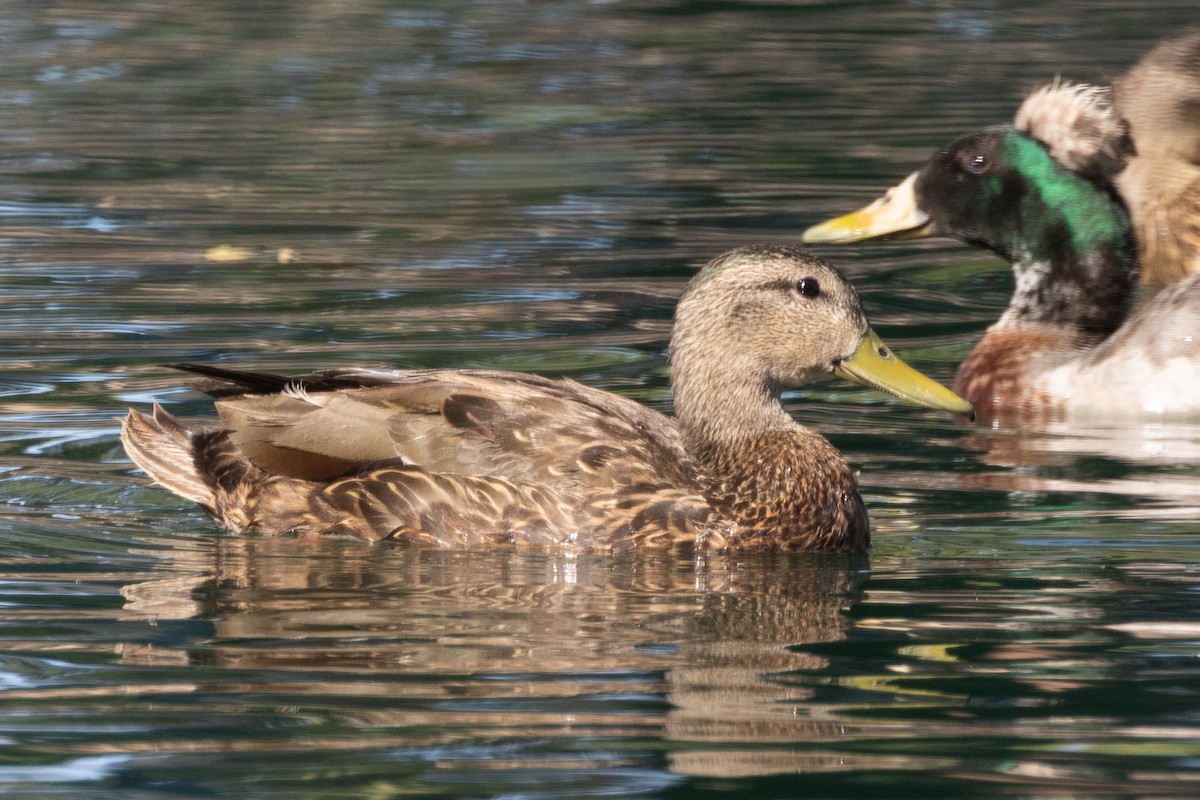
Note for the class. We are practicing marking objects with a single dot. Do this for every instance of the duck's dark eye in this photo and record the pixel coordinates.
(975, 163)
(809, 287)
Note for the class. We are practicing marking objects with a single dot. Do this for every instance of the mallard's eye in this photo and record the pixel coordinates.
(976, 163)
(809, 287)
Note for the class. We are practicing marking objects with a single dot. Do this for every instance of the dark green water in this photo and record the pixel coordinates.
(528, 186)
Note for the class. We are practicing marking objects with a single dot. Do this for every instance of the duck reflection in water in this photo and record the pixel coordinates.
(504, 645)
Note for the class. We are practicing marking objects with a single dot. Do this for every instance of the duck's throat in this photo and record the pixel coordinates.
(1058, 312)
(789, 490)
(720, 404)
(779, 485)
(1086, 297)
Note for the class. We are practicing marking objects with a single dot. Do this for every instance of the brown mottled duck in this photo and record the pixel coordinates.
(468, 457)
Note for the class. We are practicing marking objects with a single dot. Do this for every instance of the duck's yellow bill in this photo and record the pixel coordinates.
(876, 366)
(894, 215)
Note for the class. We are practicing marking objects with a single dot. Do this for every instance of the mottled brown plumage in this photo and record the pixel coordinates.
(1160, 101)
(462, 458)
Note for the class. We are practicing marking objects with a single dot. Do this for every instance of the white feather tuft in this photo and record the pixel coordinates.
(1075, 121)
(297, 392)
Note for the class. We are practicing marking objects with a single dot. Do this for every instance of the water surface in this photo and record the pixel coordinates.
(528, 186)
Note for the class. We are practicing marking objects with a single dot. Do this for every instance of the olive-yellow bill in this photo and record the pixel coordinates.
(895, 215)
(873, 364)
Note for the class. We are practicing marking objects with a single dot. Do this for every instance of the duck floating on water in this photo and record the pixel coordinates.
(468, 457)
(1069, 343)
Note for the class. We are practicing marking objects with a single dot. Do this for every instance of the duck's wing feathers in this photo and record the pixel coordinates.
(1152, 364)
(521, 428)
(1158, 99)
(1165, 202)
(1163, 334)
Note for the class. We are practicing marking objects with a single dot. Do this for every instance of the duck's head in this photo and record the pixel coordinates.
(998, 188)
(763, 318)
(1007, 186)
(1067, 235)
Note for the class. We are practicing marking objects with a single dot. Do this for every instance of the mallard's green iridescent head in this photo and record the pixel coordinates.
(1003, 190)
(999, 189)
(1069, 238)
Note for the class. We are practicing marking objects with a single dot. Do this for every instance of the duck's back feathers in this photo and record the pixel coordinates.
(472, 422)
(386, 461)
(440, 456)
(1159, 100)
(1164, 200)
(1159, 97)
(1163, 338)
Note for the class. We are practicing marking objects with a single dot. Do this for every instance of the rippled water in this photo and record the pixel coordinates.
(528, 186)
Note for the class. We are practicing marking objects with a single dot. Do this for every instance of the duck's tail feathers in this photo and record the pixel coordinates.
(165, 449)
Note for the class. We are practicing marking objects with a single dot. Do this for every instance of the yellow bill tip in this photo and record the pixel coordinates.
(894, 215)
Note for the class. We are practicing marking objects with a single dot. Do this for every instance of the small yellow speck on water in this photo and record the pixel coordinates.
(227, 252)
(285, 255)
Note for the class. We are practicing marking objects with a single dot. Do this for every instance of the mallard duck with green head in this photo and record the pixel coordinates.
(1070, 342)
(468, 457)
(1142, 135)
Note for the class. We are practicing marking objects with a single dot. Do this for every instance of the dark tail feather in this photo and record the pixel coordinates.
(234, 383)
(231, 382)
(164, 448)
